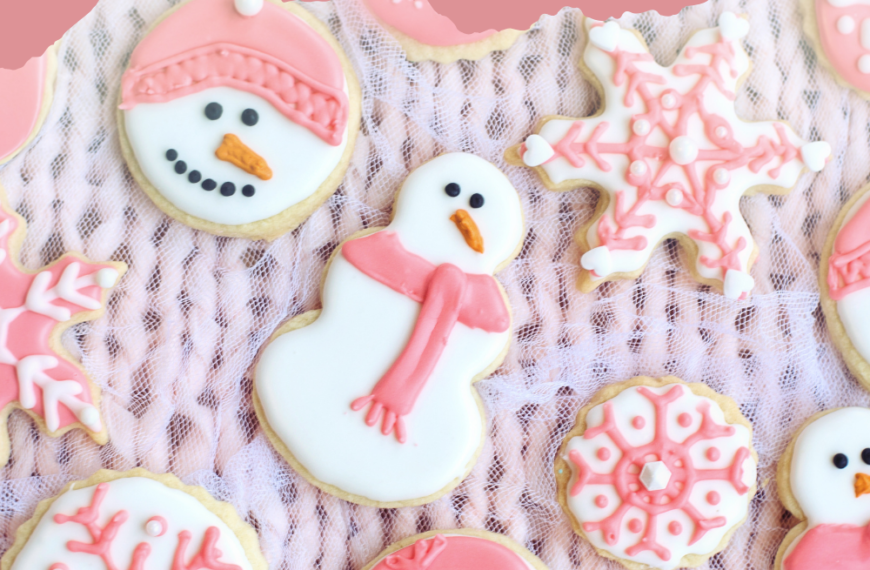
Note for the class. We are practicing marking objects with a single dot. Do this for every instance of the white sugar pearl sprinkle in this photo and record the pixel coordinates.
(638, 167)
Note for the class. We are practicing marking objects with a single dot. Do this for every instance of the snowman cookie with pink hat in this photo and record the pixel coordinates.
(238, 117)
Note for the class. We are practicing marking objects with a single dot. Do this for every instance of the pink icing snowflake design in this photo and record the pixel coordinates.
(658, 474)
(102, 538)
(34, 310)
(671, 154)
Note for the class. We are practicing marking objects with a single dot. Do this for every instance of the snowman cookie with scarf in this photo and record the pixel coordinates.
(824, 479)
(370, 398)
(238, 117)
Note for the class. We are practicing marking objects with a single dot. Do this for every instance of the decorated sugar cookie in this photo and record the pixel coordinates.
(844, 282)
(239, 117)
(136, 521)
(669, 156)
(840, 31)
(25, 98)
(463, 549)
(824, 479)
(427, 35)
(370, 398)
(38, 374)
(657, 472)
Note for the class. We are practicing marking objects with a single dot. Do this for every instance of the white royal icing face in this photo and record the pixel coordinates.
(299, 160)
(362, 330)
(148, 505)
(616, 520)
(661, 157)
(824, 490)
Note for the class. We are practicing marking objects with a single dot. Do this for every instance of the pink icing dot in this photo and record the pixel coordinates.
(603, 453)
(713, 498)
(58, 566)
(684, 419)
(638, 422)
(601, 501)
(713, 453)
(675, 528)
(634, 525)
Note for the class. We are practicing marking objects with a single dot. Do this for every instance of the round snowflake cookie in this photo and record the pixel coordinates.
(238, 117)
(844, 282)
(669, 156)
(134, 520)
(464, 549)
(657, 472)
(823, 479)
(25, 99)
(840, 32)
(427, 35)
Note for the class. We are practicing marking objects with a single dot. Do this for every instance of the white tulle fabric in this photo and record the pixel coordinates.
(174, 353)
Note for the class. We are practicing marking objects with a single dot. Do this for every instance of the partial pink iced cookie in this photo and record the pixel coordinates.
(428, 35)
(844, 35)
(25, 96)
(456, 550)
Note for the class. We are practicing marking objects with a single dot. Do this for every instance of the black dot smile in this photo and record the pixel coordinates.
(195, 177)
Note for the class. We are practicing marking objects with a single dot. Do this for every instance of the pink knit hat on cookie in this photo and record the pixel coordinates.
(250, 45)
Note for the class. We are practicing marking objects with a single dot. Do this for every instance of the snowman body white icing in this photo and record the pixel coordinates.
(156, 515)
(307, 379)
(300, 160)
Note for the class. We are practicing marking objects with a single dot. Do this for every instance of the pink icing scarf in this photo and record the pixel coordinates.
(448, 296)
(836, 546)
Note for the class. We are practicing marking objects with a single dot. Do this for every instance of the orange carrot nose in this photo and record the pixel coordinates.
(235, 152)
(862, 484)
(468, 229)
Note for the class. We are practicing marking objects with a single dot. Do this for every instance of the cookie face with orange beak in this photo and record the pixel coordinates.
(235, 111)
(830, 469)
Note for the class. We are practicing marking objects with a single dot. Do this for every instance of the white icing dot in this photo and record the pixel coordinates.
(107, 277)
(683, 150)
(641, 127)
(154, 527)
(249, 7)
(674, 197)
(418, 4)
(846, 25)
(669, 101)
(721, 132)
(638, 167)
(90, 417)
(721, 176)
(864, 64)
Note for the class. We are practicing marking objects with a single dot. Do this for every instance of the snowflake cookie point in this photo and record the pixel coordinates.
(670, 153)
(536, 151)
(34, 309)
(664, 495)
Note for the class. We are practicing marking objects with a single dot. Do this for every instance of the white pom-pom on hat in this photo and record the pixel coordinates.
(248, 7)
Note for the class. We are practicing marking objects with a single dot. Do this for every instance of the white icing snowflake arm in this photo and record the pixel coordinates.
(671, 153)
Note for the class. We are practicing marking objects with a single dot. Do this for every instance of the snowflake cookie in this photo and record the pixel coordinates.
(668, 155)
(823, 479)
(657, 472)
(464, 549)
(39, 375)
(136, 521)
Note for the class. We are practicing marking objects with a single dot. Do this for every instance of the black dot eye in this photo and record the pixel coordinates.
(214, 111)
(250, 117)
(840, 461)
(476, 201)
(865, 455)
(453, 189)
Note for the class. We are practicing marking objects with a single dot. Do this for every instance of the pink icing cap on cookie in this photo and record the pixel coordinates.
(419, 20)
(272, 54)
